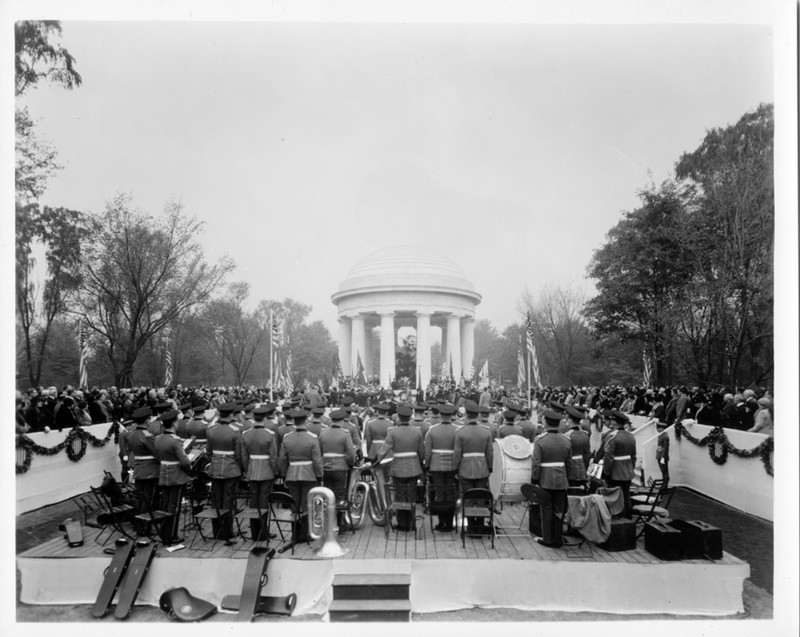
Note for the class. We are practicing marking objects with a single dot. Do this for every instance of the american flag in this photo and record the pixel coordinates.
(647, 367)
(168, 373)
(273, 321)
(521, 375)
(485, 372)
(360, 375)
(532, 350)
(84, 356)
(338, 372)
(287, 373)
(471, 371)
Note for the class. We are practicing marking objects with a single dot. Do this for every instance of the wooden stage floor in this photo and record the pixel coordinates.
(370, 543)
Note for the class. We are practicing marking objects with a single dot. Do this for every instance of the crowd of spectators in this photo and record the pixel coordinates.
(746, 409)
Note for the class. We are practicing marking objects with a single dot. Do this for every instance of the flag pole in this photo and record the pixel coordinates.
(271, 342)
(529, 370)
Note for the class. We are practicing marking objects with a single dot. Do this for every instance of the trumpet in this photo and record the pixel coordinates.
(321, 504)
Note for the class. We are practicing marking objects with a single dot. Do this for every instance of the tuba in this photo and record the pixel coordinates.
(357, 501)
(377, 497)
(321, 504)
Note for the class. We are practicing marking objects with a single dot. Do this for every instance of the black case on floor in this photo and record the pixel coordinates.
(700, 539)
(663, 541)
(535, 519)
(623, 536)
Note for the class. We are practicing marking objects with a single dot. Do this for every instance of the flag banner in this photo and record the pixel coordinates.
(471, 372)
(532, 350)
(647, 367)
(275, 332)
(338, 372)
(485, 371)
(445, 372)
(361, 377)
(521, 375)
(168, 359)
(83, 380)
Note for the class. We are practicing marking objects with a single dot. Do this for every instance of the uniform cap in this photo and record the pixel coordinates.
(318, 411)
(198, 408)
(348, 400)
(339, 414)
(169, 416)
(163, 406)
(447, 410)
(574, 414)
(261, 411)
(552, 419)
(226, 408)
(619, 417)
(509, 414)
(420, 406)
(382, 406)
(471, 407)
(142, 412)
(185, 406)
(404, 411)
(483, 409)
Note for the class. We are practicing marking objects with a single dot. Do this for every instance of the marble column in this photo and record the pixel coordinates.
(467, 346)
(387, 349)
(357, 340)
(424, 348)
(344, 345)
(453, 351)
(368, 349)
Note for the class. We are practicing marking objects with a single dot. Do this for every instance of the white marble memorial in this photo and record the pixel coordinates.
(406, 286)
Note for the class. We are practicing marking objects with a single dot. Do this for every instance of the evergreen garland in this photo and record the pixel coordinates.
(83, 438)
(717, 436)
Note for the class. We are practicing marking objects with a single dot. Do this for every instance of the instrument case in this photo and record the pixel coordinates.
(700, 539)
(622, 537)
(663, 541)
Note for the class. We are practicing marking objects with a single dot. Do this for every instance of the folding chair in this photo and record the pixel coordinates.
(247, 512)
(394, 506)
(658, 508)
(477, 503)
(149, 522)
(88, 506)
(434, 507)
(208, 512)
(283, 510)
(111, 517)
(647, 496)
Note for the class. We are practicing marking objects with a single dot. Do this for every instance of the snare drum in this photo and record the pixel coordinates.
(512, 464)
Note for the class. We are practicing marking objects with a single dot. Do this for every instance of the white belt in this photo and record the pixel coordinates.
(259, 457)
(299, 462)
(223, 453)
(144, 458)
(577, 457)
(374, 441)
(405, 454)
(552, 464)
(331, 454)
(169, 462)
(442, 450)
(622, 457)
(203, 440)
(473, 455)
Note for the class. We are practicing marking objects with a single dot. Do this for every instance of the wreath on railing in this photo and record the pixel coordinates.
(719, 447)
(75, 444)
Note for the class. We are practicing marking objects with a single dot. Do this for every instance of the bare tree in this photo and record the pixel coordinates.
(140, 274)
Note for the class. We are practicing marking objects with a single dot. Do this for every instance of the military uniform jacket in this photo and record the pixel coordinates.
(299, 459)
(142, 454)
(513, 429)
(472, 452)
(355, 434)
(283, 431)
(338, 451)
(552, 454)
(619, 458)
(490, 426)
(422, 425)
(404, 444)
(180, 429)
(439, 444)
(259, 453)
(154, 427)
(175, 466)
(579, 441)
(197, 428)
(224, 444)
(375, 433)
(315, 426)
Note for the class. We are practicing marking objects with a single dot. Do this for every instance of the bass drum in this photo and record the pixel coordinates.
(513, 462)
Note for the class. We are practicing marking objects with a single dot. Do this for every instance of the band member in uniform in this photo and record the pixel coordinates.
(224, 444)
(173, 476)
(300, 462)
(472, 457)
(338, 456)
(267, 413)
(375, 432)
(509, 426)
(662, 452)
(579, 440)
(286, 428)
(316, 425)
(351, 427)
(439, 444)
(405, 445)
(619, 458)
(260, 463)
(142, 453)
(524, 423)
(552, 454)
(483, 419)
(418, 419)
(197, 426)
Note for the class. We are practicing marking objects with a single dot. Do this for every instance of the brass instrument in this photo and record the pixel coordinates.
(321, 504)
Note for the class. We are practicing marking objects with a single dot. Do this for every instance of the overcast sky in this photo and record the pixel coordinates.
(303, 147)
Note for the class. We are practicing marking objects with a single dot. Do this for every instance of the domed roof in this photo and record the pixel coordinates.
(406, 267)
